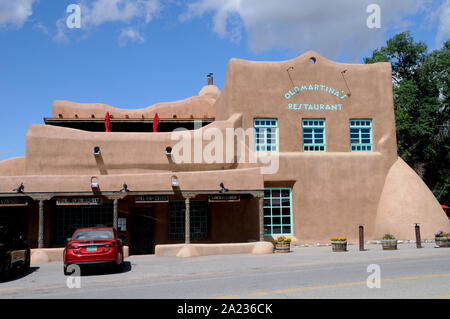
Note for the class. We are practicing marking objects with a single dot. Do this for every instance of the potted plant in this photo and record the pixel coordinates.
(442, 239)
(389, 242)
(282, 244)
(339, 243)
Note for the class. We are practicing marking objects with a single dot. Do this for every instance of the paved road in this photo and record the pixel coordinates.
(313, 272)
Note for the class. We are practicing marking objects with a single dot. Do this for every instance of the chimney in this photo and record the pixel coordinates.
(210, 78)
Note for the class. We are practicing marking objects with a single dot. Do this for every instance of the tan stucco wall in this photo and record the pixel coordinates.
(257, 89)
(239, 179)
(201, 106)
(405, 201)
(12, 167)
(332, 193)
(196, 250)
(53, 150)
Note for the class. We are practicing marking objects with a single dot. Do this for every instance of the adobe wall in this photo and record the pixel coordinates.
(53, 150)
(12, 167)
(405, 201)
(334, 191)
(201, 106)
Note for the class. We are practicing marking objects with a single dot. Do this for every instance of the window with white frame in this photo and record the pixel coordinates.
(266, 135)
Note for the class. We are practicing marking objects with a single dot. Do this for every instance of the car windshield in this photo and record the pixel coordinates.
(93, 234)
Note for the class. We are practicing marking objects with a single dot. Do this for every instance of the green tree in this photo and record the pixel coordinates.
(420, 82)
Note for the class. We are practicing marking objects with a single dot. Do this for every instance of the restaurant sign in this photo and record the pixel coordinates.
(224, 198)
(15, 201)
(70, 201)
(314, 87)
(152, 199)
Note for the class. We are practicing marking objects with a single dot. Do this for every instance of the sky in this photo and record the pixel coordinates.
(135, 53)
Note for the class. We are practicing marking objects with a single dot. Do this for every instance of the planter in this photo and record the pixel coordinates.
(442, 241)
(389, 244)
(282, 247)
(339, 245)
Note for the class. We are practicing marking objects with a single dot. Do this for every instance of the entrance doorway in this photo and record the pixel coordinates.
(141, 231)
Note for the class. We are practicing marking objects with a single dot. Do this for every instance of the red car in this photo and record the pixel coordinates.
(94, 246)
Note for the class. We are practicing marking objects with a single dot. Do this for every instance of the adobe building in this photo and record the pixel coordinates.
(322, 139)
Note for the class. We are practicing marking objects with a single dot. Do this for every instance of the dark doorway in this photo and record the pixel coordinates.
(141, 232)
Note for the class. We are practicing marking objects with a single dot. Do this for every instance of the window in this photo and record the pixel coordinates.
(314, 136)
(93, 234)
(278, 211)
(198, 222)
(361, 136)
(70, 218)
(266, 135)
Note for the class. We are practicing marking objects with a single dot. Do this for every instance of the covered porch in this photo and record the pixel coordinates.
(153, 213)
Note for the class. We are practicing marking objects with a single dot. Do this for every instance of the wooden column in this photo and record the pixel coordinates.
(115, 198)
(187, 227)
(41, 224)
(261, 218)
(115, 214)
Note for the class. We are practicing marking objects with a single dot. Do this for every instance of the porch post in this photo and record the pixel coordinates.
(115, 214)
(187, 227)
(41, 224)
(261, 218)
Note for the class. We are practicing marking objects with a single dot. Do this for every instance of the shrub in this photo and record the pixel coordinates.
(388, 237)
(442, 234)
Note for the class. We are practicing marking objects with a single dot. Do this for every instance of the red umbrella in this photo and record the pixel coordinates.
(107, 122)
(155, 122)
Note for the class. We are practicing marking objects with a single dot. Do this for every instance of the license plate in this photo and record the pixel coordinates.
(91, 248)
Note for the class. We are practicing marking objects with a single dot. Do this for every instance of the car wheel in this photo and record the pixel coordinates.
(119, 267)
(4, 275)
(66, 273)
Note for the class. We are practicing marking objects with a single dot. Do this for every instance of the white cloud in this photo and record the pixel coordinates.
(443, 33)
(15, 12)
(129, 35)
(95, 13)
(39, 26)
(61, 27)
(330, 27)
(101, 11)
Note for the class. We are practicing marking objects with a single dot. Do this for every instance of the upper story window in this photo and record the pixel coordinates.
(361, 135)
(266, 135)
(314, 135)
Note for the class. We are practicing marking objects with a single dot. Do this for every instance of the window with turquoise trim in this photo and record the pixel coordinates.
(278, 211)
(314, 139)
(361, 136)
(266, 135)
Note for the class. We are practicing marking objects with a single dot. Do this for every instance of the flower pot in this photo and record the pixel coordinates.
(339, 245)
(442, 241)
(282, 247)
(389, 244)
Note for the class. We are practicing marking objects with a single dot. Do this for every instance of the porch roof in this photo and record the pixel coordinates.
(246, 180)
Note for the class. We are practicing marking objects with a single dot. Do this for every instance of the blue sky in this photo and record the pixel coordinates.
(135, 53)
